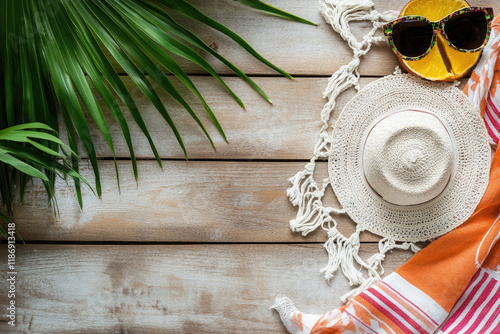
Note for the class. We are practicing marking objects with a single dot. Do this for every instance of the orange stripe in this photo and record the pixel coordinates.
(331, 323)
(408, 307)
(385, 323)
(363, 315)
(455, 252)
(322, 325)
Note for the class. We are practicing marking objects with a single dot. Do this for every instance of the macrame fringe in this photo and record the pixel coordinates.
(339, 14)
(367, 283)
(343, 253)
(305, 193)
(384, 246)
(374, 265)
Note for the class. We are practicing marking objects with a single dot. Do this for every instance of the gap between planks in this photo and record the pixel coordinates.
(163, 243)
(297, 48)
(199, 201)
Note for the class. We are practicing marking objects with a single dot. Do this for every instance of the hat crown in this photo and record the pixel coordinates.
(408, 157)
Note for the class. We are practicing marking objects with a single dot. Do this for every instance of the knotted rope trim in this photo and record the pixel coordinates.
(343, 252)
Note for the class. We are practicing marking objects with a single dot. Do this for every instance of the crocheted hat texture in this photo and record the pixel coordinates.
(410, 159)
(407, 157)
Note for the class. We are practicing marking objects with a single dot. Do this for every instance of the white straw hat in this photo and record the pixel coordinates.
(410, 159)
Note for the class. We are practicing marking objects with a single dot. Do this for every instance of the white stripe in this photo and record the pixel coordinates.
(494, 326)
(417, 297)
(418, 310)
(489, 111)
(402, 308)
(493, 105)
(481, 307)
(492, 243)
(491, 126)
(493, 273)
(491, 114)
(371, 315)
(480, 328)
(459, 303)
(472, 285)
(391, 311)
(468, 306)
(487, 116)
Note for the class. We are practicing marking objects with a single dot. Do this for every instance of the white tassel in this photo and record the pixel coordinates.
(306, 194)
(301, 183)
(339, 13)
(367, 283)
(343, 253)
(286, 308)
(385, 245)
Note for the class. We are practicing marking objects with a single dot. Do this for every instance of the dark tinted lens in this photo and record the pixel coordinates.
(412, 37)
(467, 30)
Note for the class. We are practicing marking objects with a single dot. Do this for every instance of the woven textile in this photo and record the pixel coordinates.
(451, 286)
(408, 157)
(453, 199)
(464, 188)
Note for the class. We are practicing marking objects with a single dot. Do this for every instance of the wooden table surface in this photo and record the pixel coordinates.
(202, 246)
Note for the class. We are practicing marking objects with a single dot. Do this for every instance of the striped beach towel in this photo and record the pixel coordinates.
(453, 284)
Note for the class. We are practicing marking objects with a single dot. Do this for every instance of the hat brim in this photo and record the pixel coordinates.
(472, 159)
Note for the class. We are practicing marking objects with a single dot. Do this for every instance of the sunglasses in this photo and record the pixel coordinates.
(466, 30)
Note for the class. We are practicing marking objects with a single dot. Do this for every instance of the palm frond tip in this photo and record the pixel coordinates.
(53, 54)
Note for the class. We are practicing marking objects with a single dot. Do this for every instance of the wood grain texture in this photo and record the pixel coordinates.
(288, 129)
(235, 195)
(170, 289)
(198, 201)
(297, 48)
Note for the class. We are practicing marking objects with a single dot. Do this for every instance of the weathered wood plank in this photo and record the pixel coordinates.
(297, 48)
(169, 289)
(286, 130)
(195, 201)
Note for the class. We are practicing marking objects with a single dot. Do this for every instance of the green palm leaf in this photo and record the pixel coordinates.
(22, 151)
(257, 4)
(5, 233)
(190, 11)
(52, 56)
